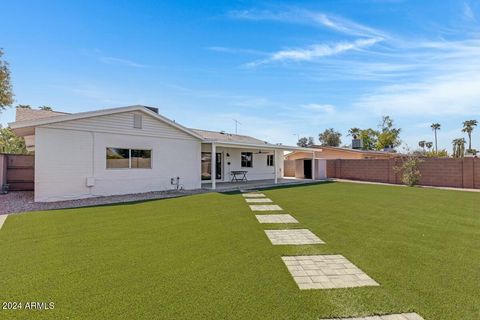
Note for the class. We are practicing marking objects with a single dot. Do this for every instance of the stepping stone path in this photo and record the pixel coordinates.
(265, 207)
(326, 272)
(3, 217)
(399, 316)
(293, 236)
(314, 271)
(253, 195)
(257, 200)
(275, 218)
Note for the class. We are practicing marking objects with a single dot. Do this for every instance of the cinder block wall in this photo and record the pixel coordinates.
(440, 172)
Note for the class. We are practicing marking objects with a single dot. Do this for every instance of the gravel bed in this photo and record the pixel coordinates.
(22, 201)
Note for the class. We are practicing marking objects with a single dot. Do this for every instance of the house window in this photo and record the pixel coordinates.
(118, 158)
(141, 159)
(247, 159)
(270, 160)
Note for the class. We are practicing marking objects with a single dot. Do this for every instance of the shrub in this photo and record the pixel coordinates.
(410, 170)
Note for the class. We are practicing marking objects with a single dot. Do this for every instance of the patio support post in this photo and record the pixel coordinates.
(213, 166)
(275, 165)
(313, 165)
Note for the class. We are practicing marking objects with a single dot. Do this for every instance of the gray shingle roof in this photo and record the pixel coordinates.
(228, 137)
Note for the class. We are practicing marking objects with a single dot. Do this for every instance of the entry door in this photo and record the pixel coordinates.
(218, 166)
(307, 169)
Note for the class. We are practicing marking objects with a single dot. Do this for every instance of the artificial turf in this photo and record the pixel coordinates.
(206, 256)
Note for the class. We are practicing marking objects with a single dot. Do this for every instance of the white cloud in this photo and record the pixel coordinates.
(315, 51)
(121, 62)
(326, 108)
(302, 16)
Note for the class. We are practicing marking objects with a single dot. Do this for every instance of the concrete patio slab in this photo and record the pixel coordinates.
(293, 237)
(3, 217)
(268, 207)
(326, 272)
(258, 200)
(397, 316)
(275, 218)
(253, 195)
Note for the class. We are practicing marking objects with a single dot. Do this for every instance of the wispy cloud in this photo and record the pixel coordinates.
(120, 62)
(468, 12)
(325, 108)
(236, 50)
(302, 16)
(314, 52)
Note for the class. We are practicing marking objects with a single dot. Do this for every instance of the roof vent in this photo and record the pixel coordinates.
(222, 132)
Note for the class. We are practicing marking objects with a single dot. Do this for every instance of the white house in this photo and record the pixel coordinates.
(134, 149)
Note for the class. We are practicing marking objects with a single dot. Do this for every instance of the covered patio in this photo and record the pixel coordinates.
(243, 162)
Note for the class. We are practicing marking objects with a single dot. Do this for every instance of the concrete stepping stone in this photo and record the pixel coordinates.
(326, 272)
(253, 195)
(257, 200)
(3, 217)
(397, 316)
(265, 207)
(275, 218)
(293, 237)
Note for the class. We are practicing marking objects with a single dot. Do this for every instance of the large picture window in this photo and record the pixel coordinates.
(118, 158)
(247, 159)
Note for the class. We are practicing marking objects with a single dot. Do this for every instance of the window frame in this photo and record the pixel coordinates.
(272, 163)
(241, 159)
(129, 158)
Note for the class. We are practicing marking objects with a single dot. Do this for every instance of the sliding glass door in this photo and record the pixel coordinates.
(207, 166)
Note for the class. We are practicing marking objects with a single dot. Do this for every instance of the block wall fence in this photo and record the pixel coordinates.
(438, 172)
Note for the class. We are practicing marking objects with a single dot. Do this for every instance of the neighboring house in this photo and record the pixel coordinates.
(298, 163)
(134, 149)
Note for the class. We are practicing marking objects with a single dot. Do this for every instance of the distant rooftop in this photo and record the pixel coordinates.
(26, 114)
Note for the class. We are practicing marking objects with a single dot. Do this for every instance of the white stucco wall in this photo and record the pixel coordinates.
(259, 171)
(66, 156)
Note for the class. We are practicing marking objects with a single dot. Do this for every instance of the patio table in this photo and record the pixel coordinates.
(238, 175)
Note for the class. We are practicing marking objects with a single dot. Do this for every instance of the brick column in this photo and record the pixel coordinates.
(391, 171)
(467, 170)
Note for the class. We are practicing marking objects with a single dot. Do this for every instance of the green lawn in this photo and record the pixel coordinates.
(207, 257)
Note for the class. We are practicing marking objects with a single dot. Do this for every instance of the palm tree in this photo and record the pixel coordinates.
(468, 127)
(429, 145)
(421, 144)
(458, 147)
(435, 127)
(45, 108)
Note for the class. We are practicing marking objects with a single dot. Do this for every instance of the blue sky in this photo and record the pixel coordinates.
(280, 68)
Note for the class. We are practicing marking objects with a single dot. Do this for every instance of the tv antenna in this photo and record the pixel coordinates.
(236, 125)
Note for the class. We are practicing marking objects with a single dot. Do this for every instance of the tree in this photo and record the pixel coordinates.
(6, 93)
(468, 127)
(389, 136)
(429, 145)
(409, 169)
(354, 133)
(435, 127)
(305, 142)
(436, 154)
(330, 137)
(458, 147)
(421, 144)
(23, 106)
(45, 108)
(10, 142)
